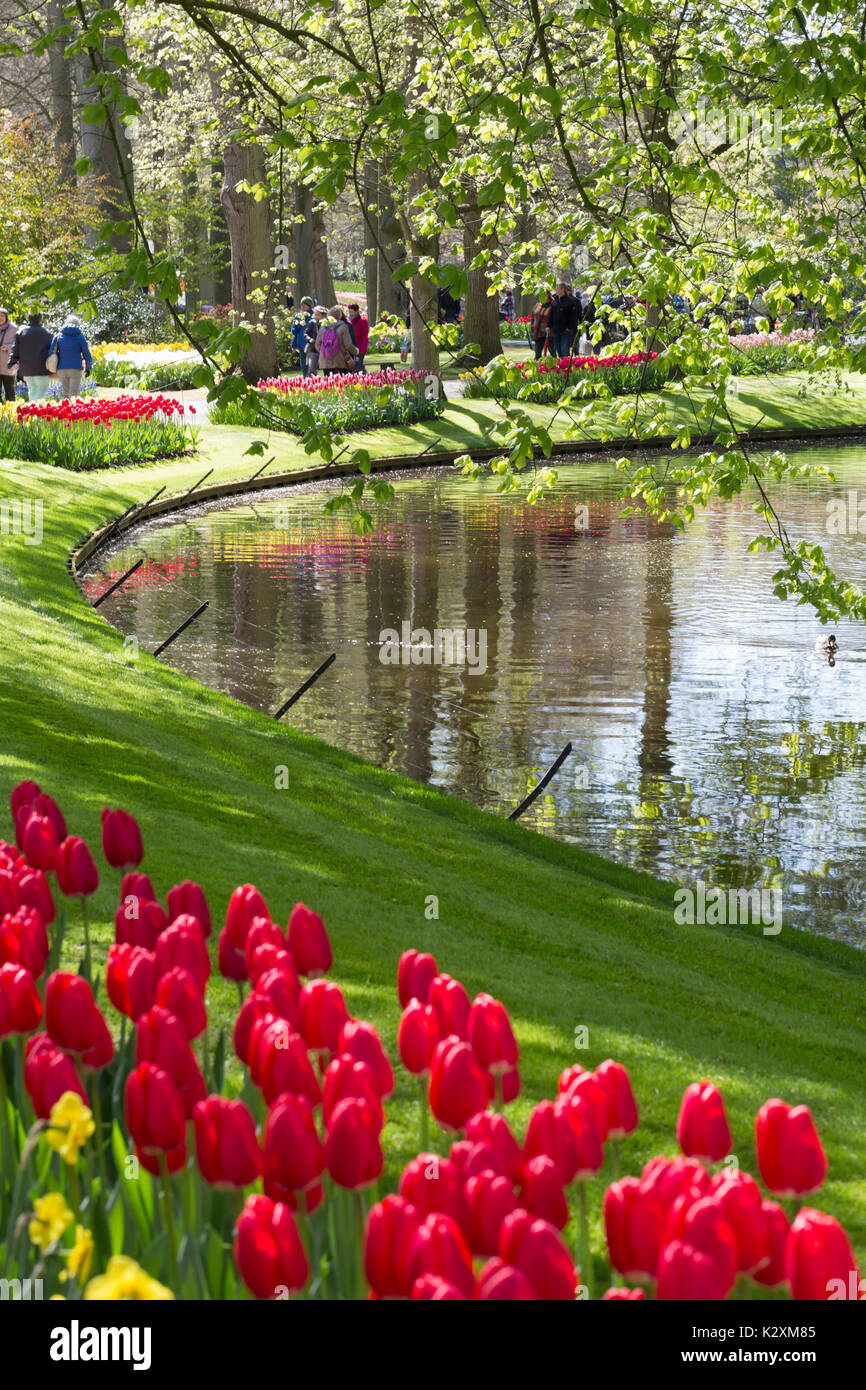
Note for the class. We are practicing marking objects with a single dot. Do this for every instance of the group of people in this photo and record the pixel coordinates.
(330, 341)
(32, 354)
(558, 322)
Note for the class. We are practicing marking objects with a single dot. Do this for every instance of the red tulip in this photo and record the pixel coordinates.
(73, 1021)
(230, 959)
(323, 1013)
(391, 1226)
(34, 892)
(137, 885)
(739, 1197)
(282, 991)
(706, 1227)
(622, 1115)
(491, 1128)
(451, 1002)
(542, 1192)
(308, 941)
(245, 904)
(49, 1074)
(550, 1132)
(160, 1038)
(268, 1251)
(632, 1295)
(432, 1288)
(294, 1157)
(179, 992)
(772, 1272)
(438, 1247)
(226, 1145)
(490, 1035)
(262, 931)
(279, 1062)
(685, 1273)
(415, 974)
(139, 922)
(432, 1183)
(154, 1110)
(39, 840)
(20, 1005)
(790, 1156)
(502, 1283)
(183, 944)
(77, 876)
(819, 1261)
(353, 1154)
(267, 957)
(589, 1152)
(131, 979)
(702, 1128)
(417, 1037)
(345, 1078)
(458, 1089)
(537, 1250)
(253, 1008)
(24, 940)
(42, 805)
(622, 1210)
(474, 1157)
(23, 795)
(489, 1199)
(585, 1086)
(361, 1041)
(187, 899)
(121, 839)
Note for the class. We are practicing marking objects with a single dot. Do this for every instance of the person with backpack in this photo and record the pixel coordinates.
(8, 372)
(299, 326)
(337, 352)
(359, 326)
(29, 354)
(565, 316)
(73, 354)
(311, 333)
(539, 327)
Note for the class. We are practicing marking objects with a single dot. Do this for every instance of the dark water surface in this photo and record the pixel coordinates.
(710, 740)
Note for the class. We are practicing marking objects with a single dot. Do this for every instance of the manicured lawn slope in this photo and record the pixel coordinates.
(563, 938)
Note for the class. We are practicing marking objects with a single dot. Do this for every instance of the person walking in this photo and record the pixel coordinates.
(8, 372)
(29, 353)
(311, 333)
(337, 352)
(565, 315)
(360, 327)
(299, 326)
(539, 327)
(73, 354)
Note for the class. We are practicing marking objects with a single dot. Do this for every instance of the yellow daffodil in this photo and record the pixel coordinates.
(51, 1216)
(124, 1279)
(70, 1125)
(80, 1257)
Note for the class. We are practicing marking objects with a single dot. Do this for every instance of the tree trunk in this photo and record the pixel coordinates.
(61, 94)
(109, 161)
(323, 280)
(481, 312)
(371, 228)
(302, 242)
(390, 294)
(424, 307)
(249, 224)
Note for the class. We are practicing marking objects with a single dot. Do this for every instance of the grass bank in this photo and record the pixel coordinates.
(564, 938)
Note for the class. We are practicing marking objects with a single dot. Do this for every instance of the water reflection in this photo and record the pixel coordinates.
(710, 738)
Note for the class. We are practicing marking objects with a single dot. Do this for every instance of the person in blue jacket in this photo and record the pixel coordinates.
(299, 325)
(73, 355)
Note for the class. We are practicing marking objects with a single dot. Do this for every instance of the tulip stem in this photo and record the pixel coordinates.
(86, 940)
(359, 1262)
(425, 1115)
(100, 1144)
(5, 1133)
(585, 1256)
(168, 1208)
(189, 1204)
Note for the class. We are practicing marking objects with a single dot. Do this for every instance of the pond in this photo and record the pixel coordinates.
(711, 742)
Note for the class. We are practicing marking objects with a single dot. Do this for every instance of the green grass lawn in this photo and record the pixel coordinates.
(562, 937)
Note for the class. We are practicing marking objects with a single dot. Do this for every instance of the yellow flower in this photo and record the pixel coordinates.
(70, 1125)
(124, 1279)
(51, 1218)
(80, 1257)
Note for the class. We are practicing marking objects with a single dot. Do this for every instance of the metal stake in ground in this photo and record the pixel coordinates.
(184, 625)
(195, 485)
(117, 583)
(537, 790)
(306, 685)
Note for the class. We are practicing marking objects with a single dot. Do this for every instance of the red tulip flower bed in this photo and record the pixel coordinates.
(88, 434)
(349, 401)
(137, 1164)
(545, 381)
